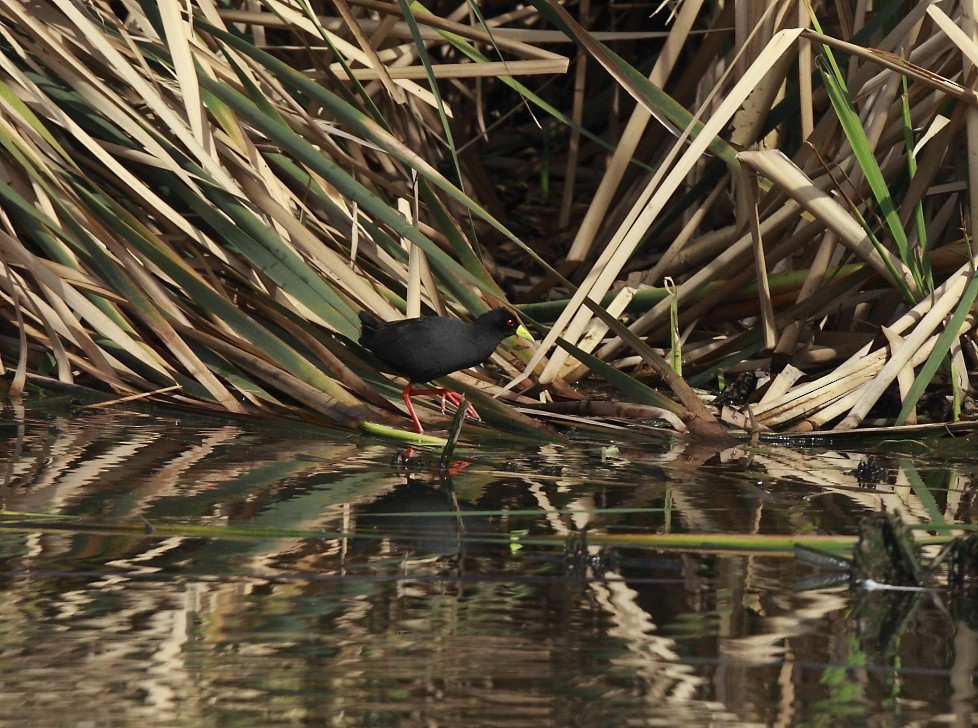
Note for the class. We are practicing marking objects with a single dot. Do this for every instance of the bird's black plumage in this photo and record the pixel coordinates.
(428, 347)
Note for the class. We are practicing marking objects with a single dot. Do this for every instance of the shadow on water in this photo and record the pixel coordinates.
(190, 572)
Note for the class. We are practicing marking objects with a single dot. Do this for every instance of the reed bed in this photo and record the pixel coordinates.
(198, 198)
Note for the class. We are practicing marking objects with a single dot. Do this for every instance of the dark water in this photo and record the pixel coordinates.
(169, 571)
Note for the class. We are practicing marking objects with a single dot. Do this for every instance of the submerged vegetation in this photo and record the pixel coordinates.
(197, 205)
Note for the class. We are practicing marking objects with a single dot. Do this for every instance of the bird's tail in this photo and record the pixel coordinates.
(368, 325)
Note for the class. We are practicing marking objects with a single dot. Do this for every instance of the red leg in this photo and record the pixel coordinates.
(406, 395)
(453, 397)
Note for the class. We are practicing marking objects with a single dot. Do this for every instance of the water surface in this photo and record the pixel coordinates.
(187, 571)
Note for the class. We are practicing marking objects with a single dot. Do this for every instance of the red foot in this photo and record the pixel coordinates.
(446, 394)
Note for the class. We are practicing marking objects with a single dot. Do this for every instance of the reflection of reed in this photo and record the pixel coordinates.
(135, 464)
(835, 472)
(313, 575)
(652, 656)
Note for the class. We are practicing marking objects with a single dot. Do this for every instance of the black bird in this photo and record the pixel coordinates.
(425, 348)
